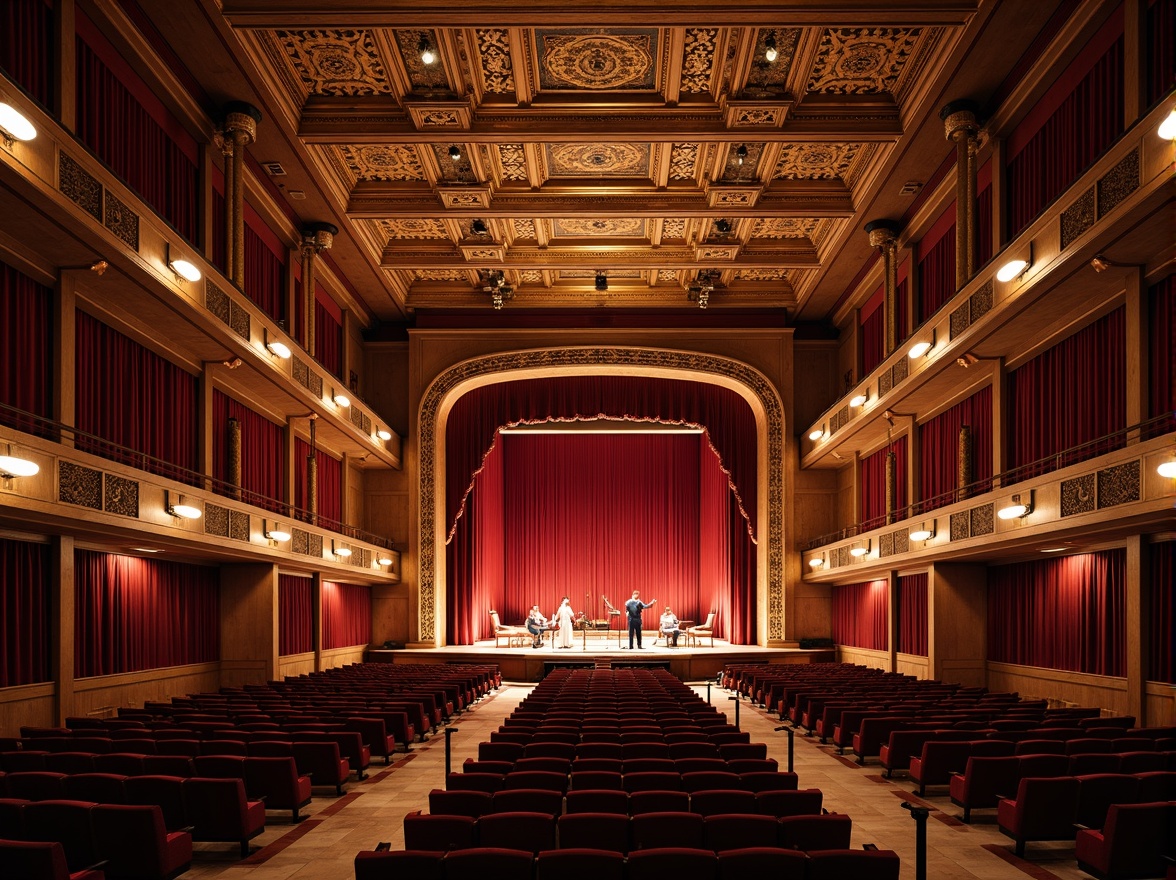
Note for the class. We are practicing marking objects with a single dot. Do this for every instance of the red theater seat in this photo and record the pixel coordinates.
(487, 863)
(278, 781)
(165, 792)
(806, 802)
(439, 833)
(219, 811)
(579, 864)
(657, 864)
(458, 803)
(829, 831)
(1043, 810)
(136, 844)
(518, 830)
(853, 864)
(40, 860)
(728, 831)
(1131, 843)
(597, 801)
(655, 830)
(762, 861)
(608, 831)
(527, 800)
(392, 865)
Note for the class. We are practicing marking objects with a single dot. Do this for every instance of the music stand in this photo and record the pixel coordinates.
(612, 612)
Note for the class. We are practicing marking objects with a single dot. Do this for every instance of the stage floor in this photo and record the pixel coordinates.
(694, 663)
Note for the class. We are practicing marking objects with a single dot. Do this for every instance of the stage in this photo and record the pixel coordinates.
(693, 663)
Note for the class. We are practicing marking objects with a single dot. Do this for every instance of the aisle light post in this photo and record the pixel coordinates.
(919, 814)
(791, 733)
(449, 732)
(736, 699)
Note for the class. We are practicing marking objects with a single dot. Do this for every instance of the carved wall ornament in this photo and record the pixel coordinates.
(591, 273)
(698, 60)
(441, 275)
(580, 227)
(673, 229)
(860, 61)
(785, 227)
(121, 220)
(121, 496)
(753, 116)
(216, 520)
(1077, 218)
(524, 230)
(408, 228)
(598, 160)
(383, 162)
(584, 360)
(343, 62)
(79, 485)
(440, 119)
(667, 276)
(816, 161)
(761, 275)
(1118, 183)
(531, 276)
(494, 58)
(79, 186)
(512, 160)
(683, 161)
(590, 60)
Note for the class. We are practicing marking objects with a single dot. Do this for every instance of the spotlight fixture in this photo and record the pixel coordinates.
(275, 346)
(340, 399)
(967, 359)
(494, 283)
(817, 433)
(99, 267)
(185, 269)
(384, 434)
(1164, 468)
(741, 154)
(15, 466)
(180, 508)
(701, 292)
(277, 534)
(924, 531)
(1167, 129)
(859, 549)
(771, 53)
(384, 560)
(454, 152)
(921, 347)
(14, 126)
(1017, 508)
(1015, 268)
(860, 398)
(428, 53)
(342, 550)
(601, 281)
(817, 561)
(479, 227)
(723, 226)
(1100, 263)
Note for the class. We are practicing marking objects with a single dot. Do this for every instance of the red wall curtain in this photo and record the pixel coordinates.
(1161, 49)
(726, 557)
(26, 35)
(939, 449)
(330, 482)
(26, 332)
(860, 614)
(347, 615)
(1162, 348)
(1063, 613)
(265, 266)
(328, 339)
(1071, 394)
(872, 484)
(25, 635)
(984, 226)
(1073, 124)
(1162, 618)
(912, 614)
(477, 416)
(261, 452)
(873, 331)
(134, 614)
(937, 265)
(134, 398)
(295, 615)
(129, 129)
(218, 221)
(476, 561)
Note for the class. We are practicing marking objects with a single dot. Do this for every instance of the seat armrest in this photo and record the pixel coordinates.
(1078, 826)
(384, 846)
(870, 847)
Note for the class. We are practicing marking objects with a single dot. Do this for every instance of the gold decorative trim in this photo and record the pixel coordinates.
(79, 485)
(121, 220)
(121, 496)
(1077, 218)
(705, 366)
(79, 186)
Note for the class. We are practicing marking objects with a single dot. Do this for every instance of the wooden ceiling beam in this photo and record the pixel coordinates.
(408, 255)
(451, 296)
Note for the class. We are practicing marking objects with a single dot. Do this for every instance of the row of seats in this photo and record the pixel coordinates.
(132, 840)
(619, 833)
(704, 780)
(648, 864)
(616, 765)
(779, 803)
(276, 781)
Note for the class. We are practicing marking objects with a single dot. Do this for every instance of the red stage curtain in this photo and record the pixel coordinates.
(129, 130)
(330, 482)
(1162, 349)
(295, 615)
(1063, 613)
(939, 446)
(134, 614)
(937, 266)
(912, 614)
(347, 615)
(265, 266)
(476, 417)
(1085, 116)
(1161, 49)
(860, 614)
(134, 398)
(1163, 612)
(872, 485)
(261, 452)
(25, 634)
(26, 35)
(328, 339)
(873, 331)
(1069, 395)
(476, 561)
(726, 557)
(26, 331)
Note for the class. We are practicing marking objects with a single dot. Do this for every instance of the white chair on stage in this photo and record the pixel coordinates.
(706, 630)
(516, 636)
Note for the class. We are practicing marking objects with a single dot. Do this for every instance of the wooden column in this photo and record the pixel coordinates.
(1138, 629)
(1138, 366)
(65, 348)
(960, 127)
(239, 130)
(62, 623)
(884, 237)
(957, 623)
(249, 623)
(316, 616)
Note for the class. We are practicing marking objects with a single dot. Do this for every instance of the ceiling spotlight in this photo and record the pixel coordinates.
(723, 226)
(14, 126)
(601, 281)
(384, 434)
(15, 466)
(428, 53)
(454, 152)
(741, 154)
(817, 433)
(180, 508)
(770, 51)
(479, 227)
(1016, 508)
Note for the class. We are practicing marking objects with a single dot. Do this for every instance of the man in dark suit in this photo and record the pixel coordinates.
(634, 607)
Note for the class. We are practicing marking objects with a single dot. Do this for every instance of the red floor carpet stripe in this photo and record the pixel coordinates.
(268, 851)
(1035, 871)
(853, 765)
(950, 821)
(339, 804)
(881, 780)
(912, 798)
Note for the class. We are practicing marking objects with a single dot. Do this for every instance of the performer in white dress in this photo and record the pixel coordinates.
(564, 616)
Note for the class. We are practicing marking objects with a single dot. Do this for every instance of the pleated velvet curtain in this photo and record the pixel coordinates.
(26, 38)
(872, 484)
(912, 614)
(261, 452)
(25, 635)
(1162, 349)
(347, 615)
(939, 449)
(26, 328)
(295, 615)
(860, 613)
(330, 481)
(1162, 619)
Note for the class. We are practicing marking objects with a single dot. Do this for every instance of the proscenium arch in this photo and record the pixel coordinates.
(745, 380)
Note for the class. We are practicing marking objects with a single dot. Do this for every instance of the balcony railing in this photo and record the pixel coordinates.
(1163, 424)
(57, 432)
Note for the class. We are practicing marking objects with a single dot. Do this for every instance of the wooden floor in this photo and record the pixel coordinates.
(324, 845)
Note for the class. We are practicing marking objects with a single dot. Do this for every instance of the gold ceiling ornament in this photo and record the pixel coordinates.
(761, 275)
(512, 159)
(531, 276)
(667, 276)
(441, 275)
(785, 227)
(524, 230)
(597, 159)
(413, 229)
(344, 62)
(816, 161)
(683, 161)
(674, 229)
(383, 162)
(596, 61)
(494, 55)
(860, 61)
(698, 59)
(600, 226)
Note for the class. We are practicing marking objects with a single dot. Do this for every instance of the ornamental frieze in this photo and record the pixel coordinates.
(342, 62)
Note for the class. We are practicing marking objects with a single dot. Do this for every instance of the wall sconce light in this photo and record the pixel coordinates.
(860, 548)
(923, 532)
(455, 152)
(275, 535)
(15, 466)
(1164, 468)
(1019, 505)
(771, 53)
(275, 346)
(342, 551)
(180, 508)
(1167, 129)
(860, 398)
(384, 560)
(428, 53)
(1015, 268)
(921, 347)
(384, 434)
(183, 268)
(601, 281)
(817, 433)
(340, 398)
(741, 154)
(817, 561)
(14, 126)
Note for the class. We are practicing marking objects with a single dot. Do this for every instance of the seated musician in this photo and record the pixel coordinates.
(536, 623)
(669, 626)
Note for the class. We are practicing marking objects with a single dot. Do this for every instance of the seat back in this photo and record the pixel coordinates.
(33, 859)
(132, 838)
(719, 801)
(771, 861)
(597, 801)
(527, 800)
(165, 792)
(662, 862)
(727, 831)
(806, 802)
(1096, 793)
(216, 807)
(518, 830)
(837, 864)
(68, 823)
(36, 785)
(829, 831)
(579, 864)
(439, 833)
(101, 788)
(1133, 840)
(656, 830)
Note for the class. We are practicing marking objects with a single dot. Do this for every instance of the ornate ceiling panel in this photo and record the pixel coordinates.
(597, 160)
(862, 61)
(597, 60)
(344, 62)
(495, 65)
(599, 226)
(383, 162)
